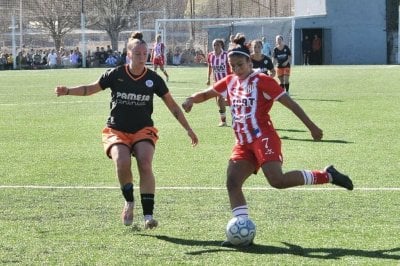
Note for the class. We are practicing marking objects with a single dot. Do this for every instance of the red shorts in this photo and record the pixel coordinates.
(283, 71)
(112, 136)
(159, 61)
(266, 148)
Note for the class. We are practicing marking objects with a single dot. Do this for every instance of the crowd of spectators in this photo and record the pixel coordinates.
(100, 57)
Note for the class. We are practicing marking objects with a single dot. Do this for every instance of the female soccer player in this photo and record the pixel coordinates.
(250, 96)
(260, 60)
(282, 56)
(130, 129)
(218, 66)
(157, 55)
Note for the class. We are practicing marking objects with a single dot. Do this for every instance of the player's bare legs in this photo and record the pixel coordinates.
(237, 173)
(277, 179)
(164, 71)
(144, 152)
(222, 110)
(121, 156)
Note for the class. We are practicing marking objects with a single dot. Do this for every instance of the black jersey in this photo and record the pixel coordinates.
(264, 64)
(131, 97)
(282, 55)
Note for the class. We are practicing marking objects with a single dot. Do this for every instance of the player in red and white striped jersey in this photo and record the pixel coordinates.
(218, 66)
(250, 95)
(157, 55)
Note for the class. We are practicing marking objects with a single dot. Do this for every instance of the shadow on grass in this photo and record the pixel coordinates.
(288, 249)
(318, 100)
(323, 140)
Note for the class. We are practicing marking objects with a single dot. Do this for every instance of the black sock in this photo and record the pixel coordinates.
(127, 191)
(147, 203)
(287, 87)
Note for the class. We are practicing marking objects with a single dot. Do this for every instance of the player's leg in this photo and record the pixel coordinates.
(222, 110)
(237, 173)
(277, 179)
(144, 152)
(286, 79)
(121, 156)
(164, 71)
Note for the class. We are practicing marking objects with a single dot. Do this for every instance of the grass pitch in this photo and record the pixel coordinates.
(60, 202)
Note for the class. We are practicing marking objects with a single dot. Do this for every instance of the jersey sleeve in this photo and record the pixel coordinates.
(160, 87)
(106, 79)
(221, 86)
(270, 88)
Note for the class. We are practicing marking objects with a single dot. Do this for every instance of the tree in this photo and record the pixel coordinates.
(111, 16)
(58, 16)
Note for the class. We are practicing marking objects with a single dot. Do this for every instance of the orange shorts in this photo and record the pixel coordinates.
(283, 71)
(112, 136)
(266, 148)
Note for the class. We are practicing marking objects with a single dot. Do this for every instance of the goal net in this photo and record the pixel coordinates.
(191, 36)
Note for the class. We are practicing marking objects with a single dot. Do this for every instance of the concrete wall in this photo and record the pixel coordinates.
(357, 31)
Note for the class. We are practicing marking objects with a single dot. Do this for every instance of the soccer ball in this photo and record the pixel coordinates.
(240, 231)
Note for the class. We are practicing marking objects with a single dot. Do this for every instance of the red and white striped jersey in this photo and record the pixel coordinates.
(219, 64)
(250, 101)
(158, 49)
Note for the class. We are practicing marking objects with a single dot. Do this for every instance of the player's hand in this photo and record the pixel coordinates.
(187, 104)
(316, 133)
(193, 136)
(61, 91)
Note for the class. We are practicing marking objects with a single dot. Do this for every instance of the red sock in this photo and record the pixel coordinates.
(320, 177)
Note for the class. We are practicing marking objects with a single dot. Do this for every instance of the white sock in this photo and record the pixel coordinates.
(148, 217)
(241, 211)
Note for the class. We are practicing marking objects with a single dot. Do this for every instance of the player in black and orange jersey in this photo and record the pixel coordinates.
(130, 129)
(282, 57)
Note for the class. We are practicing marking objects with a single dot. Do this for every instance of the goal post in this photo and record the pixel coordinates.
(198, 33)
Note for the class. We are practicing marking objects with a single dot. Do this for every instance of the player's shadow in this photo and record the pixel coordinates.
(317, 100)
(338, 141)
(309, 139)
(288, 249)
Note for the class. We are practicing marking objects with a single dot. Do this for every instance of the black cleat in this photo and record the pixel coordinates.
(338, 178)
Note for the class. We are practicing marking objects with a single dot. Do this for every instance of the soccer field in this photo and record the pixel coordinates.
(60, 201)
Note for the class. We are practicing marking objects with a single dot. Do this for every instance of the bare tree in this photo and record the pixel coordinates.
(58, 16)
(111, 16)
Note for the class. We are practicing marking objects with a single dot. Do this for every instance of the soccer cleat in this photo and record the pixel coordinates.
(150, 224)
(222, 124)
(127, 213)
(338, 178)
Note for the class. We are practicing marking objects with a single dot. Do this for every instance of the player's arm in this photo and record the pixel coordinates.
(198, 97)
(82, 90)
(178, 114)
(289, 103)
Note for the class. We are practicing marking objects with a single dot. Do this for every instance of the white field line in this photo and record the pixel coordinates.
(306, 188)
(69, 102)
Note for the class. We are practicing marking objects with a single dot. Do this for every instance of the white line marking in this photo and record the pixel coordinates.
(201, 188)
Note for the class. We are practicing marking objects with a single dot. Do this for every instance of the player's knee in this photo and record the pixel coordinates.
(276, 182)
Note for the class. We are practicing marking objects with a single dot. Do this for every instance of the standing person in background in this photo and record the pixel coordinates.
(306, 47)
(282, 57)
(316, 56)
(130, 130)
(157, 56)
(261, 61)
(251, 95)
(218, 66)
(266, 47)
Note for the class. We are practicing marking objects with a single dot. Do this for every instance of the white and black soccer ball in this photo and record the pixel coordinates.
(240, 231)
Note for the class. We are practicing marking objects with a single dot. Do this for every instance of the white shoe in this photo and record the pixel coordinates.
(127, 213)
(222, 124)
(150, 224)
